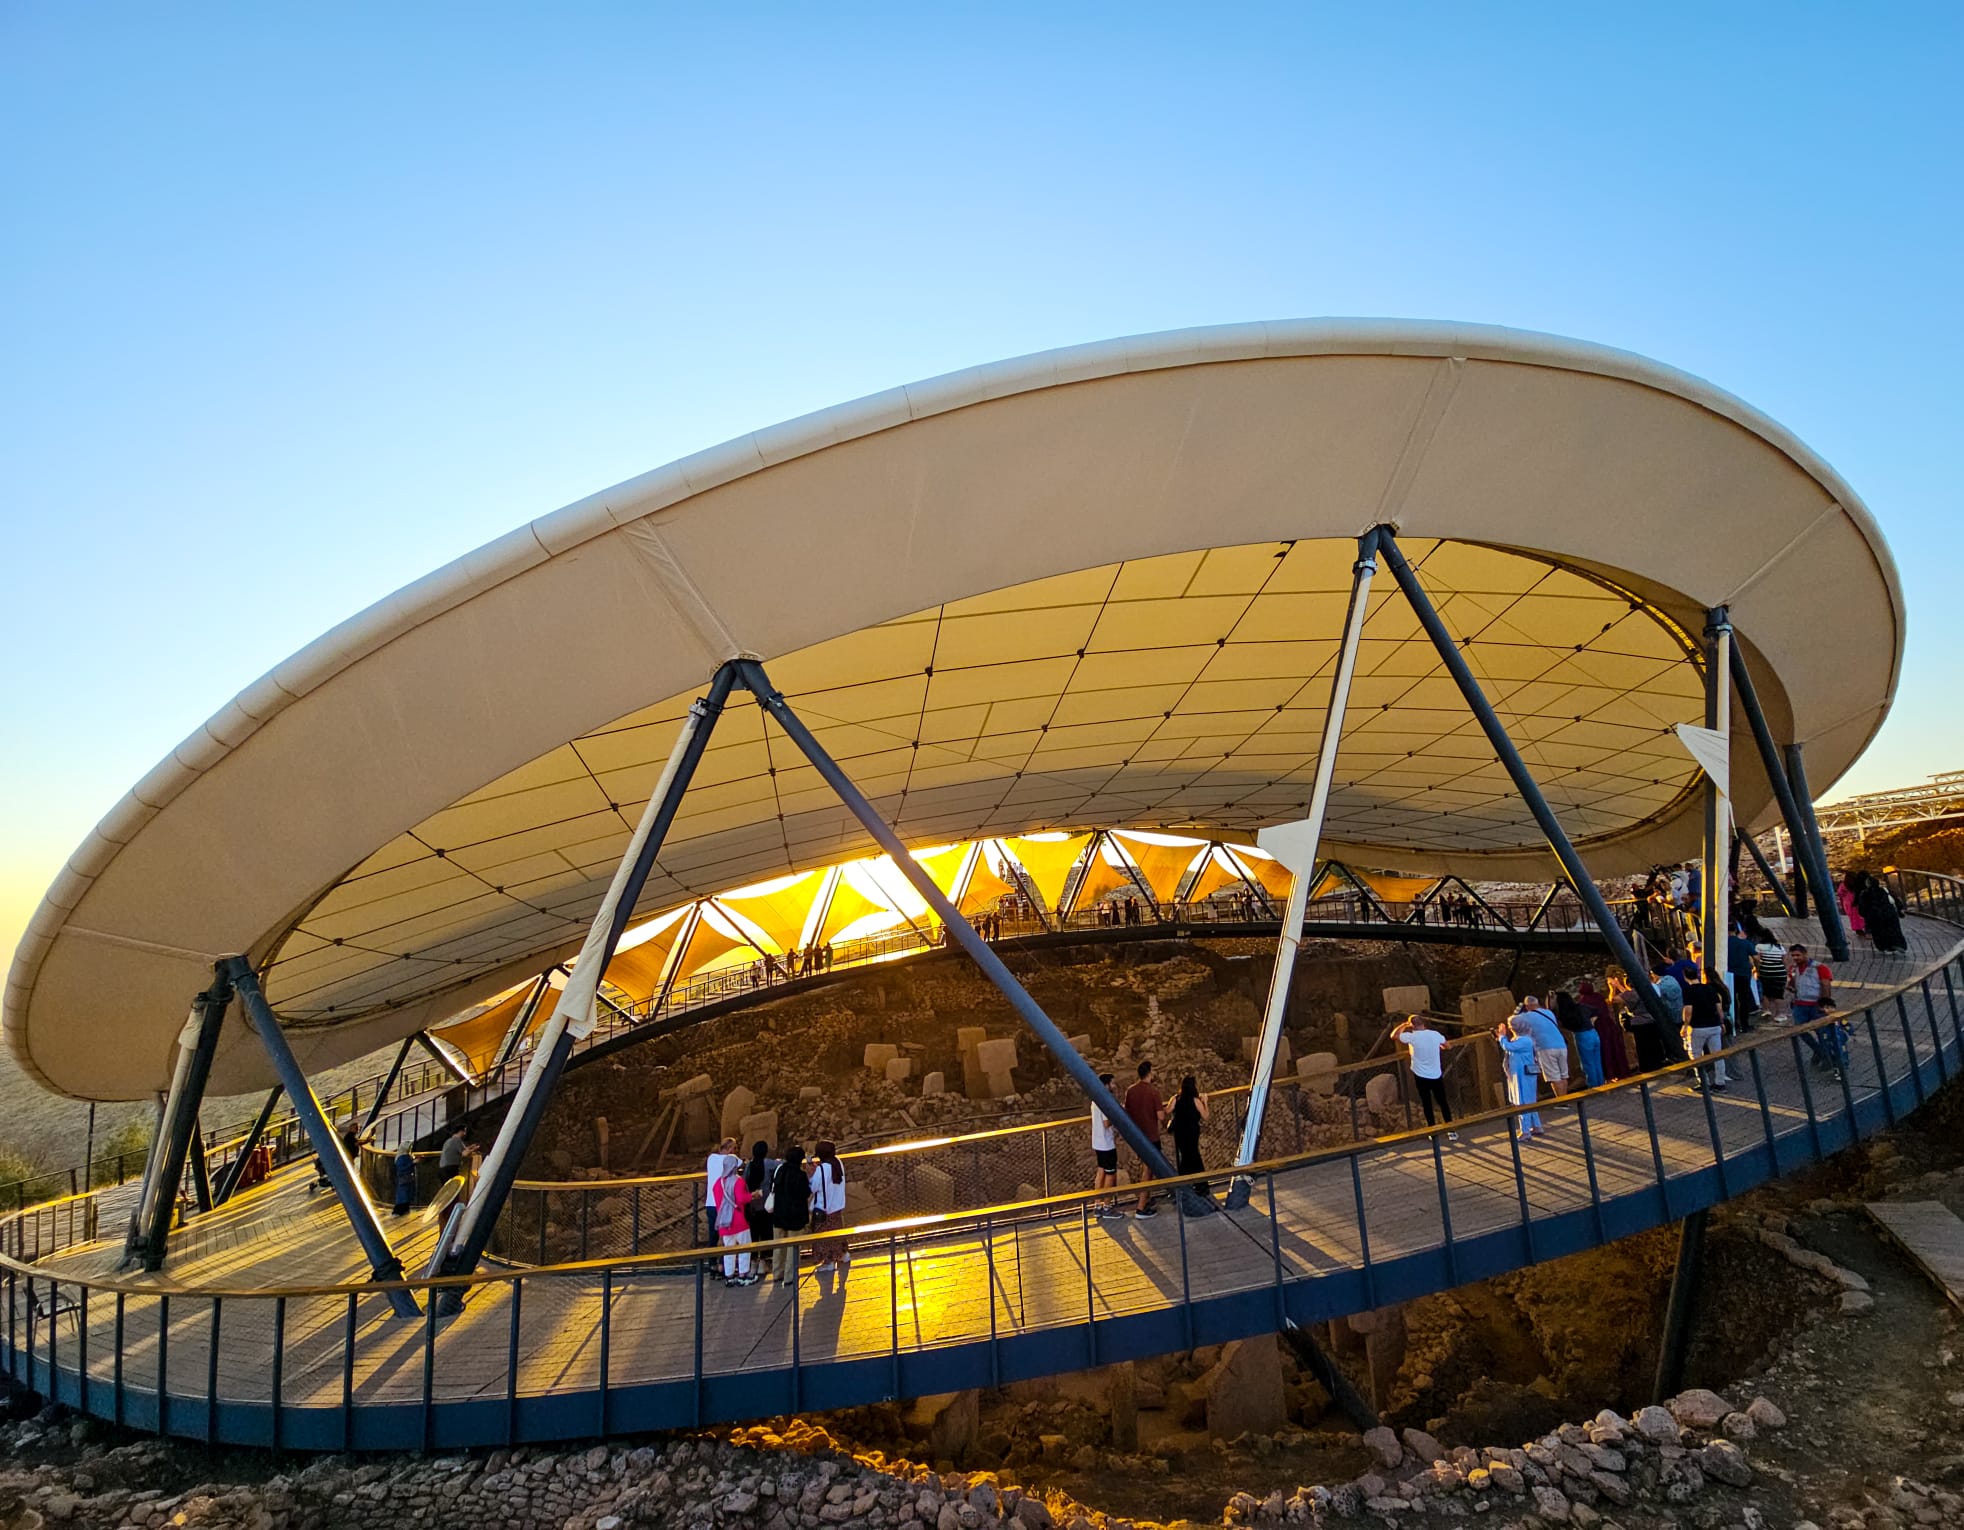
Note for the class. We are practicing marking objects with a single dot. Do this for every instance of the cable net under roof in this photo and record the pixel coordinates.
(1181, 692)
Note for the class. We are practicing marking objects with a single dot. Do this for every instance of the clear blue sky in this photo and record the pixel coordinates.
(300, 302)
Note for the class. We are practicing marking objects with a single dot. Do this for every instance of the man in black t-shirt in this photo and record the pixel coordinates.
(1704, 1023)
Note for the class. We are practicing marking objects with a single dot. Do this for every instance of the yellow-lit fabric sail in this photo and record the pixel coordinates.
(1213, 877)
(1163, 866)
(780, 911)
(984, 886)
(944, 866)
(479, 1036)
(1100, 877)
(637, 970)
(849, 906)
(707, 945)
(1396, 889)
(1048, 861)
(1273, 875)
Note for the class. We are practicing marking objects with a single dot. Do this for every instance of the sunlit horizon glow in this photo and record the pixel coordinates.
(312, 303)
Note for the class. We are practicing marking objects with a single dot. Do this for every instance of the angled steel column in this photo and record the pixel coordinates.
(196, 1044)
(1676, 1338)
(1718, 804)
(1027, 1008)
(1524, 783)
(1302, 839)
(340, 1170)
(388, 1083)
(1772, 877)
(1255, 889)
(1790, 792)
(1808, 844)
(515, 1032)
(443, 1059)
(463, 1243)
(229, 1180)
(200, 1167)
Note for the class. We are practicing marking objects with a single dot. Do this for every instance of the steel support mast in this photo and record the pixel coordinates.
(342, 1172)
(1027, 1008)
(197, 1043)
(465, 1238)
(1295, 846)
(1524, 782)
(1712, 906)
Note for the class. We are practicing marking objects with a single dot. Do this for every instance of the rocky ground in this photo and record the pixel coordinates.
(1185, 1004)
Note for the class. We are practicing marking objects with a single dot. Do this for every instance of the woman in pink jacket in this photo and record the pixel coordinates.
(730, 1199)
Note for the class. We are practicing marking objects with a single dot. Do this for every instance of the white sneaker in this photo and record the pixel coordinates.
(1452, 1136)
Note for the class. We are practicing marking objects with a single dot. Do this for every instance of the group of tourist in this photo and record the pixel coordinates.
(1126, 910)
(1615, 1035)
(1184, 1116)
(762, 1198)
(1452, 908)
(794, 963)
(1870, 910)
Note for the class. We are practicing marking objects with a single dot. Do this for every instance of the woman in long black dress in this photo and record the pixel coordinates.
(1189, 1114)
(1877, 906)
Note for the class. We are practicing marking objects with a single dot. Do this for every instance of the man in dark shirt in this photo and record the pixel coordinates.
(1739, 953)
(1704, 1024)
(1144, 1106)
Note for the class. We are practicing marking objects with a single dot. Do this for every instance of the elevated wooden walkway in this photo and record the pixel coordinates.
(229, 1347)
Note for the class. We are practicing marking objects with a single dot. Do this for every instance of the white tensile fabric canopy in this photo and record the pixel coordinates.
(1099, 587)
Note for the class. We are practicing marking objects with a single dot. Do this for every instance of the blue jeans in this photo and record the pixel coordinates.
(1590, 1045)
(1830, 1042)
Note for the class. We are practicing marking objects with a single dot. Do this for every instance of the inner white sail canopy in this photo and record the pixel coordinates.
(1095, 587)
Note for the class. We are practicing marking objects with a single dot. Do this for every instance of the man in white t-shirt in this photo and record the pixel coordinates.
(1104, 1148)
(1426, 1049)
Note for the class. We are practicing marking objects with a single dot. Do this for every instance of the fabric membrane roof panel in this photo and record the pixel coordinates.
(1095, 587)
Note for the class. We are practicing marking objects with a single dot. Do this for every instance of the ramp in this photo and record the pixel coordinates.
(1933, 1237)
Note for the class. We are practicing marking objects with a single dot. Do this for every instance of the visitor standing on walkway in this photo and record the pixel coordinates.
(758, 1173)
(405, 1170)
(1704, 1027)
(1812, 985)
(828, 1178)
(1550, 1045)
(1670, 991)
(1740, 952)
(1425, 1050)
(732, 1209)
(1517, 1056)
(1851, 915)
(1581, 1028)
(1188, 1116)
(1615, 1054)
(1877, 906)
(1148, 1113)
(1645, 1033)
(450, 1157)
(1104, 1151)
(789, 1205)
(720, 1158)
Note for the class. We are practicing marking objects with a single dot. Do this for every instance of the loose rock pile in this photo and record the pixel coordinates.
(1581, 1474)
(1686, 1463)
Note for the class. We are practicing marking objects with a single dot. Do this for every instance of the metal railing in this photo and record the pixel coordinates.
(937, 1302)
(554, 1221)
(428, 1097)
